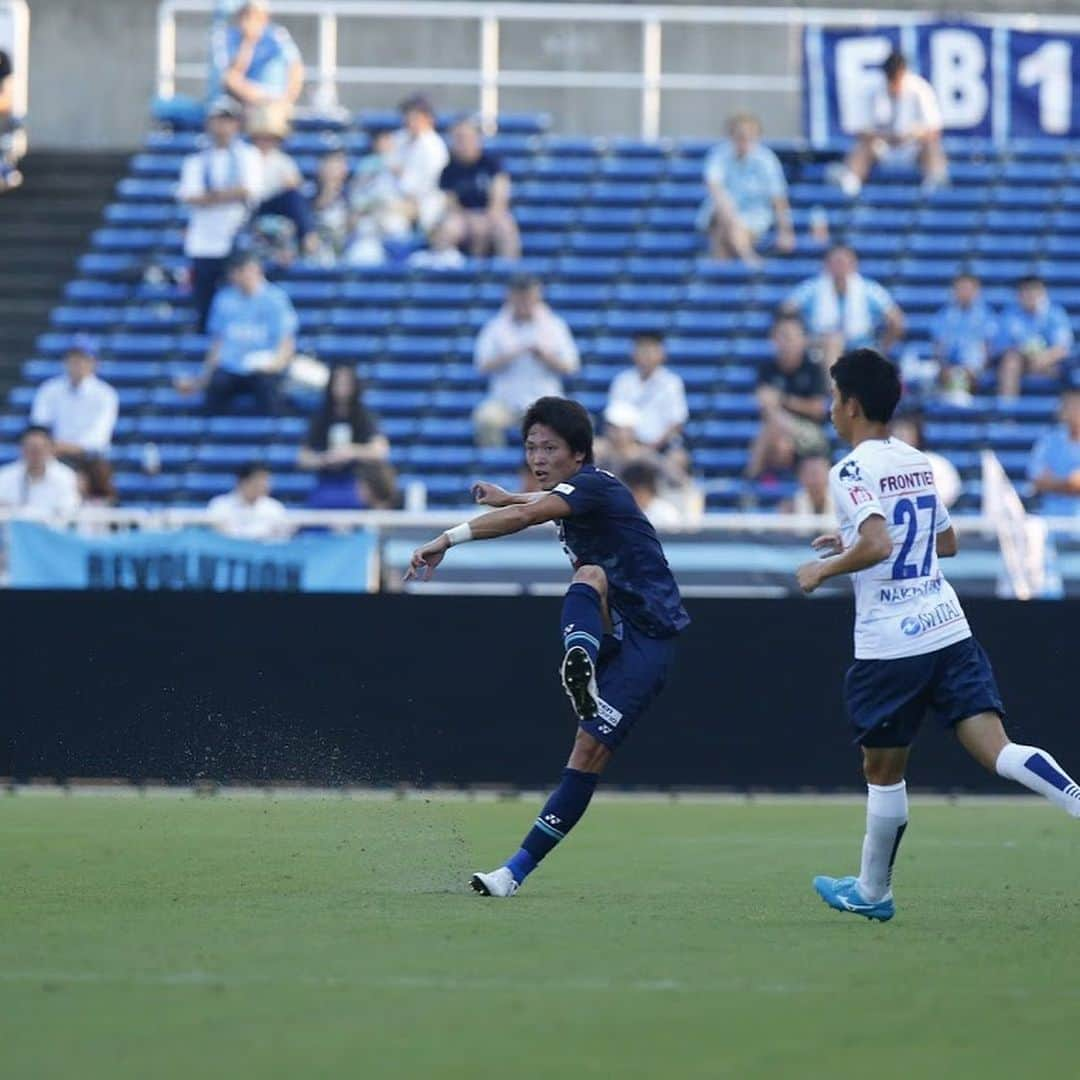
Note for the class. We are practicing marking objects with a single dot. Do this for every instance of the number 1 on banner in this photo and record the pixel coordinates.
(1049, 68)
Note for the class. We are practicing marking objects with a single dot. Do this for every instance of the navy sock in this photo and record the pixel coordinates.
(583, 619)
(561, 813)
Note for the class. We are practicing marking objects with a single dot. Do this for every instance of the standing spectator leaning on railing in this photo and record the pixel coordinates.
(252, 330)
(10, 127)
(747, 195)
(255, 60)
(477, 214)
(343, 436)
(219, 185)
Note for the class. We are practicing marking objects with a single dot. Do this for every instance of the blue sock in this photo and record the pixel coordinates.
(583, 619)
(561, 813)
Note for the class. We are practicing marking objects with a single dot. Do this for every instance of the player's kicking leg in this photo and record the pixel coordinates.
(584, 618)
(870, 894)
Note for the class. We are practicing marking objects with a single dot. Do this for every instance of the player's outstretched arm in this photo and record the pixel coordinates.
(502, 522)
(874, 545)
(492, 495)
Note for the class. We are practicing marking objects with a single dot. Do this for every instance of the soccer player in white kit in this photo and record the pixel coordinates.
(913, 648)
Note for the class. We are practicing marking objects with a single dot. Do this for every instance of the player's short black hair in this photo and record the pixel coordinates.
(967, 275)
(871, 379)
(240, 259)
(1029, 279)
(246, 472)
(895, 63)
(648, 337)
(36, 429)
(568, 419)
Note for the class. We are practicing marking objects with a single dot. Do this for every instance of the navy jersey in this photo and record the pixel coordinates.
(607, 529)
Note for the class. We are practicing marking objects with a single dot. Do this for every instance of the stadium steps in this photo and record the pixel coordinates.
(46, 224)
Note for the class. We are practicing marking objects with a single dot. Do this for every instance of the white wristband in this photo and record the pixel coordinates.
(459, 534)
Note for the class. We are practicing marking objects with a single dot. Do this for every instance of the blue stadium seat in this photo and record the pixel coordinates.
(616, 218)
(641, 268)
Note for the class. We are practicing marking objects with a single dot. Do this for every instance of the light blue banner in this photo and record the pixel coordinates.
(190, 559)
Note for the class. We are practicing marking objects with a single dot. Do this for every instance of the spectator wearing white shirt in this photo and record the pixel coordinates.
(280, 194)
(655, 391)
(249, 512)
(37, 485)
(526, 350)
(78, 408)
(905, 126)
(220, 185)
(417, 157)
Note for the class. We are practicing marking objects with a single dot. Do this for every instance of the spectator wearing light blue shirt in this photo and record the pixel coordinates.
(1054, 466)
(963, 332)
(747, 195)
(843, 310)
(1034, 336)
(256, 60)
(252, 329)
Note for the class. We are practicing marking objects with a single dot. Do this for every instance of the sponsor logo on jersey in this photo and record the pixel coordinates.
(936, 617)
(901, 594)
(911, 481)
(850, 471)
(859, 494)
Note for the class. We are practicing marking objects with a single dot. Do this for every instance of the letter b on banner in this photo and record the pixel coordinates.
(958, 63)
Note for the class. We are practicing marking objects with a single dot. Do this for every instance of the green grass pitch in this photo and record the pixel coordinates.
(294, 938)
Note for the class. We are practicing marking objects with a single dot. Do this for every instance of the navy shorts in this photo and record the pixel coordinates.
(631, 672)
(887, 699)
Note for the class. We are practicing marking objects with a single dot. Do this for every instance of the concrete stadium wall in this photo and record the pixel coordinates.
(93, 68)
(452, 690)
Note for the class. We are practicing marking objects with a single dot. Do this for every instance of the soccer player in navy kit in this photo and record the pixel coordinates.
(620, 617)
(914, 652)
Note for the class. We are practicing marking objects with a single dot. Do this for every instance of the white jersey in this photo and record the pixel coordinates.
(903, 606)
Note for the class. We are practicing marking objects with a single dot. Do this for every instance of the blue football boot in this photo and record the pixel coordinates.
(843, 895)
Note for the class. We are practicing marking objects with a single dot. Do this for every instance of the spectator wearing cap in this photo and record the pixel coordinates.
(791, 396)
(477, 214)
(656, 392)
(256, 60)
(416, 157)
(747, 195)
(963, 332)
(1054, 465)
(280, 194)
(252, 330)
(525, 351)
(249, 512)
(343, 436)
(1034, 336)
(904, 127)
(219, 185)
(844, 310)
(37, 485)
(77, 408)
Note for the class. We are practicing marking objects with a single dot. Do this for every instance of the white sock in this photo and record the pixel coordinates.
(886, 820)
(1037, 770)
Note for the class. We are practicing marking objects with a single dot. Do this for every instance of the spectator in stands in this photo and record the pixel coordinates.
(904, 128)
(280, 193)
(343, 436)
(374, 203)
(526, 349)
(78, 408)
(10, 127)
(248, 512)
(908, 427)
(219, 185)
(1054, 466)
(96, 487)
(643, 480)
(331, 205)
(377, 486)
(417, 157)
(655, 391)
(38, 485)
(813, 495)
(252, 330)
(747, 195)
(256, 60)
(963, 331)
(477, 214)
(844, 310)
(791, 395)
(1034, 336)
